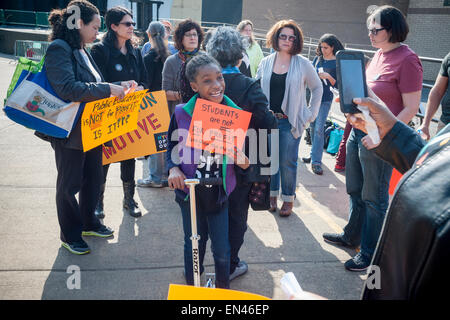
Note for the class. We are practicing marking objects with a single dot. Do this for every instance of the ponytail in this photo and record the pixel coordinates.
(157, 33)
(59, 24)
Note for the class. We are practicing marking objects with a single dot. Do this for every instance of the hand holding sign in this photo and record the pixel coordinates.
(105, 119)
(239, 157)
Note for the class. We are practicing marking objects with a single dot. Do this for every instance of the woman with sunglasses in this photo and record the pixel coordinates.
(325, 64)
(284, 76)
(395, 75)
(119, 60)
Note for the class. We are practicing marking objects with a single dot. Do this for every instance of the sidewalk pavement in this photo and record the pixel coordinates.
(146, 254)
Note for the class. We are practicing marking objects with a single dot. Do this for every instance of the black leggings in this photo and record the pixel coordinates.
(127, 168)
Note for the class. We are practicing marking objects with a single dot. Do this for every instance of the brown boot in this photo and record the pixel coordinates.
(286, 209)
(273, 204)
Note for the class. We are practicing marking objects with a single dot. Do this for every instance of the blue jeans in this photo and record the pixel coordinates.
(367, 181)
(287, 171)
(317, 132)
(214, 225)
(157, 167)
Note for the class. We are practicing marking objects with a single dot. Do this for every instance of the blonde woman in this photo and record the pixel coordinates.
(254, 52)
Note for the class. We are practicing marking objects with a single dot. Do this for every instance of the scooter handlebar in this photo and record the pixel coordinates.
(205, 181)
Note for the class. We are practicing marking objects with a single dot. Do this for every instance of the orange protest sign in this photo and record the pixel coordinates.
(216, 127)
(182, 292)
(149, 137)
(105, 119)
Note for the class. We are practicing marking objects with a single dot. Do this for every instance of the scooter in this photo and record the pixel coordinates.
(192, 183)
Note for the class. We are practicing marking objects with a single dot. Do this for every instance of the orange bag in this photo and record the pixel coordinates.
(395, 178)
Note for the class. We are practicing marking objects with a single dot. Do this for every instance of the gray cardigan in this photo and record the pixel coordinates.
(170, 77)
(301, 74)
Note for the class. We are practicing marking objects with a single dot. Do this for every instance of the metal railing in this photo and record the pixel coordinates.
(33, 50)
(34, 19)
(36, 49)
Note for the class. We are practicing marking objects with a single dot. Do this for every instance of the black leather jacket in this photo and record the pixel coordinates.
(413, 252)
(248, 95)
(72, 80)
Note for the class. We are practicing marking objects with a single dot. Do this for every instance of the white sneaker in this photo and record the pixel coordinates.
(241, 268)
(148, 183)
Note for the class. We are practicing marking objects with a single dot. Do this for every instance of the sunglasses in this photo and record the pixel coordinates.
(283, 36)
(375, 31)
(128, 24)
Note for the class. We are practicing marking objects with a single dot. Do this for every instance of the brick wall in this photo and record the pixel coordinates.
(429, 32)
(182, 9)
(345, 18)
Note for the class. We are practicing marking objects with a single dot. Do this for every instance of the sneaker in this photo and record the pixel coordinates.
(78, 247)
(102, 232)
(317, 169)
(241, 268)
(336, 238)
(339, 168)
(358, 263)
(148, 183)
(306, 160)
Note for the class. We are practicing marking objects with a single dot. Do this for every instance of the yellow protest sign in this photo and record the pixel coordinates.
(106, 119)
(182, 292)
(149, 137)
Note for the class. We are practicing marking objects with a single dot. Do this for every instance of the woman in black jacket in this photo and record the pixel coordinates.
(118, 61)
(74, 76)
(227, 47)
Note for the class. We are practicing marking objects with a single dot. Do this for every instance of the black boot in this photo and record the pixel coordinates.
(129, 205)
(99, 213)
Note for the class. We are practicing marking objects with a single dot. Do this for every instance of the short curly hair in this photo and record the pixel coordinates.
(226, 46)
(274, 32)
(186, 26)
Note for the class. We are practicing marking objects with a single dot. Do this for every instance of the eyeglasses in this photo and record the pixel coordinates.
(191, 35)
(375, 31)
(283, 36)
(128, 24)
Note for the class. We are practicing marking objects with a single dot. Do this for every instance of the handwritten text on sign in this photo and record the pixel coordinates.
(216, 127)
(150, 136)
(105, 119)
